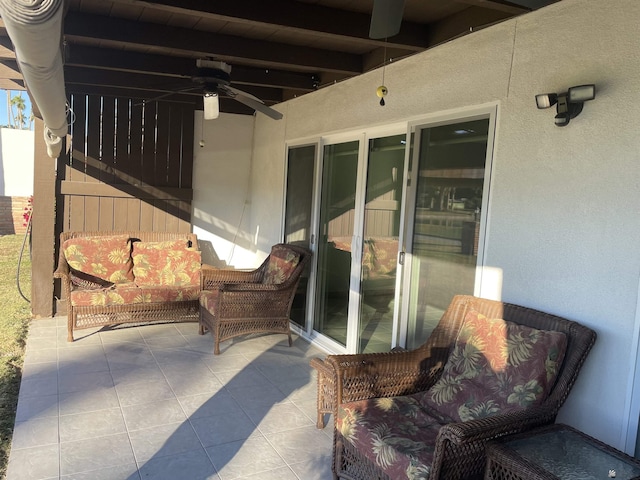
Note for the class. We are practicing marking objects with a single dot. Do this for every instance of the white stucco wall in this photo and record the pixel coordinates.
(221, 199)
(563, 220)
(16, 161)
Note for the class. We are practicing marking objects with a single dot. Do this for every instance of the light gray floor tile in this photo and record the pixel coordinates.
(41, 343)
(219, 429)
(101, 452)
(41, 355)
(258, 398)
(35, 463)
(36, 407)
(237, 460)
(40, 330)
(79, 382)
(315, 469)
(38, 370)
(35, 433)
(153, 414)
(98, 428)
(188, 383)
(140, 374)
(194, 465)
(302, 443)
(93, 424)
(164, 440)
(208, 404)
(88, 401)
(247, 377)
(145, 392)
(39, 386)
(226, 363)
(119, 472)
(282, 473)
(280, 418)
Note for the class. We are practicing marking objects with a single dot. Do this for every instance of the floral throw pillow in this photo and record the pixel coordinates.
(495, 367)
(103, 257)
(169, 263)
(282, 262)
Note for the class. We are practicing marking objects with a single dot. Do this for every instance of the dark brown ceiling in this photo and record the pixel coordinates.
(278, 49)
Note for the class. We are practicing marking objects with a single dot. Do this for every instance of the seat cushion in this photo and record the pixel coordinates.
(282, 262)
(394, 433)
(106, 258)
(208, 299)
(169, 263)
(130, 294)
(496, 366)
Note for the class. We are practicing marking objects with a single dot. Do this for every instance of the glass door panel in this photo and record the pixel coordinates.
(298, 212)
(337, 219)
(383, 196)
(449, 173)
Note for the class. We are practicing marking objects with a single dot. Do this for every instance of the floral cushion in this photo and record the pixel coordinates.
(282, 263)
(169, 263)
(208, 299)
(394, 433)
(130, 294)
(495, 367)
(105, 257)
(379, 257)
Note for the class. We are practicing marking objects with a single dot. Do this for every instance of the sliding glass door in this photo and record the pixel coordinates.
(448, 196)
(358, 242)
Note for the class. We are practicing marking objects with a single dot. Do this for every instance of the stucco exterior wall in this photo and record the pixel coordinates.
(563, 215)
(221, 199)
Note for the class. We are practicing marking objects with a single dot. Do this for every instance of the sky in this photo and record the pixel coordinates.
(3, 104)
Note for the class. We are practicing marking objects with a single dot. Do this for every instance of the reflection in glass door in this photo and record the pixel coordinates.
(298, 210)
(449, 172)
(337, 217)
(383, 195)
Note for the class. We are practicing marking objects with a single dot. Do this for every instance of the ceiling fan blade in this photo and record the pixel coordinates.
(386, 18)
(250, 101)
(234, 91)
(259, 107)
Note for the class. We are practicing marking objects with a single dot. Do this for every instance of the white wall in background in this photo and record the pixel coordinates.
(16, 162)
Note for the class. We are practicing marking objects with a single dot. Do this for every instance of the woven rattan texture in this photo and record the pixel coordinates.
(459, 451)
(100, 315)
(245, 306)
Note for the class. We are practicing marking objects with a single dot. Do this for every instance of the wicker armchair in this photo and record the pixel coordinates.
(458, 452)
(237, 302)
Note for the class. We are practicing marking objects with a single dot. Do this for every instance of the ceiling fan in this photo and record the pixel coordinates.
(213, 78)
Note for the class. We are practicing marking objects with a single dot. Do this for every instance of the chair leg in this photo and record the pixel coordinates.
(290, 342)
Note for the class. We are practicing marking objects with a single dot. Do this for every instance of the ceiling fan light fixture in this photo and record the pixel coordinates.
(211, 106)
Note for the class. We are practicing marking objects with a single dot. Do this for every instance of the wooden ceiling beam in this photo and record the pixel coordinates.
(136, 62)
(188, 42)
(310, 19)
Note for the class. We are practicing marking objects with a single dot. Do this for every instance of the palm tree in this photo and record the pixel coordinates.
(19, 119)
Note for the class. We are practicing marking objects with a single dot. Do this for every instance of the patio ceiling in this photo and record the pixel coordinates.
(278, 49)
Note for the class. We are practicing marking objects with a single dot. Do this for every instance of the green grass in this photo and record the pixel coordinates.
(14, 319)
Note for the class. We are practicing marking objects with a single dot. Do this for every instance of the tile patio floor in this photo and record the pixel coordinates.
(154, 402)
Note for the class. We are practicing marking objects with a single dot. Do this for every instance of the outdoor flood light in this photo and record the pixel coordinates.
(569, 104)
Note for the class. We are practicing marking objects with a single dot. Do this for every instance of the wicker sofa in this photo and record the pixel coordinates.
(427, 413)
(111, 278)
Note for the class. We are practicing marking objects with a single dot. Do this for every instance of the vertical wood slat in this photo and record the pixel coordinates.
(163, 124)
(186, 166)
(93, 161)
(77, 165)
(122, 162)
(113, 145)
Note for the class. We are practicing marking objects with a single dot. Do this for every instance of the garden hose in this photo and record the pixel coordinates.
(24, 241)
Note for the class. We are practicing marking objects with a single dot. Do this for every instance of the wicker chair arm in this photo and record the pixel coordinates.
(375, 375)
(499, 425)
(251, 287)
(213, 277)
(62, 271)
